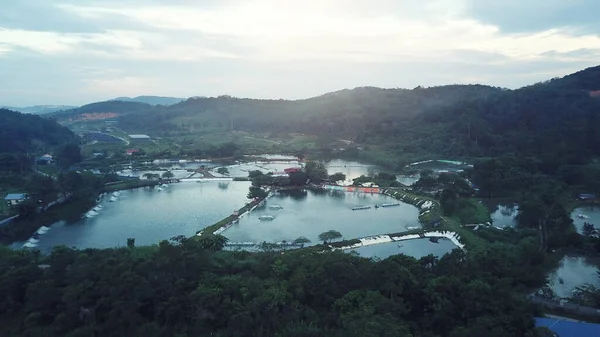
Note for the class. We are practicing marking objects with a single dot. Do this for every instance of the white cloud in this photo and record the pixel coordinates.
(280, 48)
(345, 30)
(121, 85)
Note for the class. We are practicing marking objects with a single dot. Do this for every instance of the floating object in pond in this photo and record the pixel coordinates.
(582, 216)
(360, 208)
(29, 245)
(91, 214)
(116, 194)
(266, 217)
(112, 199)
(159, 189)
(390, 205)
(42, 230)
(275, 207)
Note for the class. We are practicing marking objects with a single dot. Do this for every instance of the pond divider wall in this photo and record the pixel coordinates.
(239, 216)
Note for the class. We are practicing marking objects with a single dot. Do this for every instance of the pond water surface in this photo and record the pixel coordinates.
(503, 214)
(311, 212)
(149, 215)
(416, 248)
(574, 271)
(589, 214)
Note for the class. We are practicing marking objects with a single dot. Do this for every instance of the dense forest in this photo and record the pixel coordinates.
(557, 116)
(23, 138)
(187, 287)
(23, 133)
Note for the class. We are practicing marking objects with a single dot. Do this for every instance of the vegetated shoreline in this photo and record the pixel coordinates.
(70, 210)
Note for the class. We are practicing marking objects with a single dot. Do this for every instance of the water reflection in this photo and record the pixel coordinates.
(503, 213)
(149, 216)
(309, 214)
(351, 169)
(574, 271)
(295, 194)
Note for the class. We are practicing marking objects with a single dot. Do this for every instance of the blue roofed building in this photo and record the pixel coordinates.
(563, 328)
(15, 198)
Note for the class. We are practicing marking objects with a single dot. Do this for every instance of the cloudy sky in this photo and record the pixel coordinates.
(79, 51)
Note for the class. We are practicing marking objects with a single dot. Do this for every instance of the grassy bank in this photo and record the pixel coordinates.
(129, 184)
(434, 215)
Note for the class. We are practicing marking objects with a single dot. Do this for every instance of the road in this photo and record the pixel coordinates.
(570, 307)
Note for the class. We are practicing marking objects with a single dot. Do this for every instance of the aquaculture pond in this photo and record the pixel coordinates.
(149, 215)
(589, 214)
(417, 248)
(574, 271)
(309, 213)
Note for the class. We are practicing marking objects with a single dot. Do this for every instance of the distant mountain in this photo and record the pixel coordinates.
(101, 110)
(152, 100)
(39, 109)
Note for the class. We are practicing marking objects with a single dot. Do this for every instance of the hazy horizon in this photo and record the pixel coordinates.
(68, 52)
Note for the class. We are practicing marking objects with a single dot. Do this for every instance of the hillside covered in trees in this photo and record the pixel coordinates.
(456, 120)
(189, 287)
(24, 133)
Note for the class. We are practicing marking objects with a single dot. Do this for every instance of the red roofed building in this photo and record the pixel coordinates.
(292, 170)
(132, 151)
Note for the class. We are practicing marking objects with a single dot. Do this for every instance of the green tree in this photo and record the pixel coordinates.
(213, 242)
(42, 189)
(71, 183)
(316, 171)
(68, 155)
(338, 176)
(448, 201)
(256, 192)
(330, 236)
(298, 178)
(302, 240)
(168, 175)
(588, 230)
(223, 170)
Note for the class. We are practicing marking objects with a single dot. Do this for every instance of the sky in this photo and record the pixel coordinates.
(80, 51)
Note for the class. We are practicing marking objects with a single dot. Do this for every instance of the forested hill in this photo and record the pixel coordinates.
(108, 107)
(456, 120)
(356, 113)
(23, 133)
